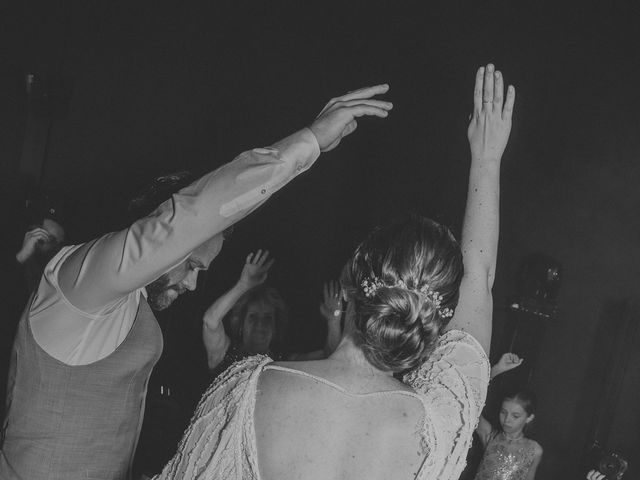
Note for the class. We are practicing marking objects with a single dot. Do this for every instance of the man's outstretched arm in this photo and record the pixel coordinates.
(106, 269)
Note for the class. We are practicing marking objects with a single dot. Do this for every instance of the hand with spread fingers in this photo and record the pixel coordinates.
(490, 123)
(331, 306)
(255, 270)
(338, 118)
(595, 475)
(331, 310)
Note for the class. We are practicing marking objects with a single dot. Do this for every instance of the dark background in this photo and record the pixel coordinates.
(143, 88)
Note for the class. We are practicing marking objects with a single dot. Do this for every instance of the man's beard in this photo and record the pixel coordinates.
(159, 293)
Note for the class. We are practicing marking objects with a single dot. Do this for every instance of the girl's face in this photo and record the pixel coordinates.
(513, 417)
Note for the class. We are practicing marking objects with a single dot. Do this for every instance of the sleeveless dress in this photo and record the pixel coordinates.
(500, 464)
(220, 442)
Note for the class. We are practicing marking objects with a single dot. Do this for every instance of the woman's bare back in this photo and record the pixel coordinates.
(323, 420)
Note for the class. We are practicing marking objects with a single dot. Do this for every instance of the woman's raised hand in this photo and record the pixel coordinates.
(256, 269)
(595, 475)
(331, 306)
(490, 123)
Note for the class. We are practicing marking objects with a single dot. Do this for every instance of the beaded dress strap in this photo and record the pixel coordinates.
(338, 387)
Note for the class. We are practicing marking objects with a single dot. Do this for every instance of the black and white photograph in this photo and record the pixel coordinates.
(320, 241)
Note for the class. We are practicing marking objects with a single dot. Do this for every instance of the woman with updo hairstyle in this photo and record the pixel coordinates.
(348, 416)
(397, 326)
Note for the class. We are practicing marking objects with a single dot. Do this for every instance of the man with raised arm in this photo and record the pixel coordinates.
(88, 340)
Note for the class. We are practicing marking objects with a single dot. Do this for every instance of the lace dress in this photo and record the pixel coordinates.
(503, 463)
(220, 442)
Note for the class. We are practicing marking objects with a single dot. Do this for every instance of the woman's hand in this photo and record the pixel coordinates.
(595, 475)
(331, 310)
(255, 270)
(490, 123)
(331, 306)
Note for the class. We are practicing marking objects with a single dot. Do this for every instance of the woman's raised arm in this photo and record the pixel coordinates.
(488, 133)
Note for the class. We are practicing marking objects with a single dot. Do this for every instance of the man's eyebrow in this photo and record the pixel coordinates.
(198, 265)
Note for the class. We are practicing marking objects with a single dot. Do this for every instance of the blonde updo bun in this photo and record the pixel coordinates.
(396, 325)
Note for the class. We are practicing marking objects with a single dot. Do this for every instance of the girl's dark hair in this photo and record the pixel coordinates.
(525, 397)
(262, 294)
(396, 327)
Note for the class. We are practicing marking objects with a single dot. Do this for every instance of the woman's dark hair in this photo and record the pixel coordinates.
(525, 397)
(396, 326)
(265, 295)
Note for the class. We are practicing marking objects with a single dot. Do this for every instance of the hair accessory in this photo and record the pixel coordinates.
(372, 284)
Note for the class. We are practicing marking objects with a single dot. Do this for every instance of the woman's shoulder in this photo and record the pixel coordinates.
(535, 447)
(330, 372)
(457, 368)
(240, 370)
(250, 363)
(298, 368)
(461, 342)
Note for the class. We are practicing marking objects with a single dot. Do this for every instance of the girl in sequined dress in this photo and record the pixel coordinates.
(509, 454)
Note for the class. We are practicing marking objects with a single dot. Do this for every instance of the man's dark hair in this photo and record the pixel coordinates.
(40, 206)
(159, 191)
